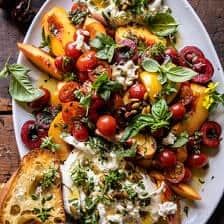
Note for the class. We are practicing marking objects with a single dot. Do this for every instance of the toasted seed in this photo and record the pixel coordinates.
(136, 105)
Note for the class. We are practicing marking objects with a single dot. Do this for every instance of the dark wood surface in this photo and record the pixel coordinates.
(211, 13)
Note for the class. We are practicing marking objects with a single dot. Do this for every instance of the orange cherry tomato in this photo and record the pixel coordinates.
(72, 111)
(66, 93)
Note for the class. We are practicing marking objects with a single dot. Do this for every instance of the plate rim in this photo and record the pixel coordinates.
(207, 39)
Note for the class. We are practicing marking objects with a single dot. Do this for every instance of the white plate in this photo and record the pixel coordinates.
(192, 32)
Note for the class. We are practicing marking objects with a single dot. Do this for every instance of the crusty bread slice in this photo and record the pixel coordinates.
(33, 194)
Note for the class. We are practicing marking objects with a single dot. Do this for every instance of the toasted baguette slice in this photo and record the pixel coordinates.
(27, 195)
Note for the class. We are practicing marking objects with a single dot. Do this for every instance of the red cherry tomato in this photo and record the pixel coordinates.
(190, 53)
(175, 57)
(80, 132)
(96, 106)
(87, 61)
(31, 135)
(79, 6)
(211, 132)
(66, 93)
(64, 63)
(84, 33)
(175, 174)
(102, 67)
(187, 175)
(72, 111)
(107, 125)
(178, 111)
(72, 51)
(205, 70)
(137, 91)
(167, 158)
(42, 101)
(197, 160)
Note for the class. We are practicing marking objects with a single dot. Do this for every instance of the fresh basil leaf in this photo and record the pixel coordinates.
(163, 24)
(20, 87)
(151, 65)
(159, 118)
(181, 140)
(105, 46)
(178, 73)
(105, 87)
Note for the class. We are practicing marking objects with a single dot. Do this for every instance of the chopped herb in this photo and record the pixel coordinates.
(78, 15)
(113, 178)
(35, 197)
(186, 210)
(201, 181)
(105, 46)
(169, 88)
(49, 177)
(127, 153)
(70, 76)
(43, 213)
(130, 191)
(85, 100)
(45, 40)
(48, 143)
(157, 49)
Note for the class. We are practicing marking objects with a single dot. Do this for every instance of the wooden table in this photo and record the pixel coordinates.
(211, 13)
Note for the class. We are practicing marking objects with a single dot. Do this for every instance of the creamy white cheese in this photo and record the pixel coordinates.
(125, 73)
(115, 218)
(110, 164)
(80, 43)
(170, 139)
(155, 5)
(102, 214)
(167, 208)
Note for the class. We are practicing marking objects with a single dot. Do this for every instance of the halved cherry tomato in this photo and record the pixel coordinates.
(66, 93)
(83, 76)
(102, 67)
(72, 51)
(167, 158)
(178, 111)
(211, 132)
(175, 174)
(64, 63)
(72, 111)
(205, 70)
(80, 132)
(87, 61)
(31, 134)
(96, 106)
(107, 125)
(197, 160)
(187, 176)
(79, 6)
(191, 53)
(137, 91)
(42, 101)
(175, 57)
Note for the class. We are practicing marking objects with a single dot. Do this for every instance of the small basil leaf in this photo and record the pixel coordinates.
(181, 140)
(151, 65)
(163, 24)
(179, 74)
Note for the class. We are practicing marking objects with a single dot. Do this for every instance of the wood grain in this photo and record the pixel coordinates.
(9, 157)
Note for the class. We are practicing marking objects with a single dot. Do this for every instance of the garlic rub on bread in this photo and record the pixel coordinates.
(33, 194)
